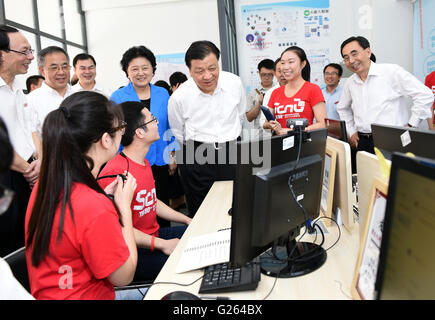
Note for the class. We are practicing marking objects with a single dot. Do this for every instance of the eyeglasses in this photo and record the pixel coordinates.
(56, 67)
(353, 53)
(331, 73)
(144, 124)
(266, 75)
(6, 197)
(121, 127)
(25, 53)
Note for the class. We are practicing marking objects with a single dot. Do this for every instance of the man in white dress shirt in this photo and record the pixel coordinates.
(53, 63)
(15, 58)
(85, 67)
(205, 115)
(376, 94)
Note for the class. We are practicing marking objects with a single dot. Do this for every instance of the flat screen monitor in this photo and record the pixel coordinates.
(265, 210)
(336, 129)
(407, 256)
(389, 139)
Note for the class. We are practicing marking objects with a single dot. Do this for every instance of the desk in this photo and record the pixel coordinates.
(332, 281)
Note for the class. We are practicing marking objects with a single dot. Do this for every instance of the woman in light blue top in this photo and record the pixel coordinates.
(139, 64)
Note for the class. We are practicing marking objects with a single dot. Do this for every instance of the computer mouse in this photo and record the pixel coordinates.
(180, 295)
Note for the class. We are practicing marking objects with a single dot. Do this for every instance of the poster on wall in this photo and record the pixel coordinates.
(167, 64)
(268, 29)
(424, 38)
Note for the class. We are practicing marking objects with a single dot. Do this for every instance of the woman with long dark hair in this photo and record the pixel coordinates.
(79, 239)
(299, 98)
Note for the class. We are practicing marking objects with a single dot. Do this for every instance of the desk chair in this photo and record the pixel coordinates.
(18, 265)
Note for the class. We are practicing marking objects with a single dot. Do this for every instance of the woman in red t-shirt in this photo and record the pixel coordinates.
(79, 242)
(298, 98)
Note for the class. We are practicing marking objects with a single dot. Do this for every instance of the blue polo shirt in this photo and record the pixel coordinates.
(331, 102)
(158, 153)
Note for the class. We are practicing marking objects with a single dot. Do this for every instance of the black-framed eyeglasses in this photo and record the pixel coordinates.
(144, 124)
(121, 127)
(6, 197)
(25, 53)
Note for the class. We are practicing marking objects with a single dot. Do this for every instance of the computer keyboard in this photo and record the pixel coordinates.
(221, 278)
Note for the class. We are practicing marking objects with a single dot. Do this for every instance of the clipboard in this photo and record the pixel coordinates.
(363, 284)
(269, 116)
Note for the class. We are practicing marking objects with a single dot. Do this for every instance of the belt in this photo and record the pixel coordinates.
(212, 145)
(365, 135)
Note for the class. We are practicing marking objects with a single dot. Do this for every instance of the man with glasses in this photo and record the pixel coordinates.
(154, 243)
(85, 68)
(332, 92)
(377, 93)
(53, 64)
(254, 130)
(15, 58)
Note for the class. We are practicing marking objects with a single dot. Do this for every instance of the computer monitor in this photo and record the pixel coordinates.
(389, 139)
(264, 211)
(407, 257)
(336, 129)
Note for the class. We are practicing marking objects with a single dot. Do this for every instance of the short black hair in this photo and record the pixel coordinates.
(133, 116)
(363, 42)
(335, 66)
(163, 84)
(176, 78)
(266, 63)
(49, 50)
(83, 56)
(4, 38)
(33, 80)
(199, 50)
(135, 52)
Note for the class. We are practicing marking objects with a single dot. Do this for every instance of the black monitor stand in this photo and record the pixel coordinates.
(305, 257)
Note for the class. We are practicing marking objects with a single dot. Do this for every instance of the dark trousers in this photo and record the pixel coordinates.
(150, 263)
(161, 178)
(211, 162)
(365, 143)
(12, 221)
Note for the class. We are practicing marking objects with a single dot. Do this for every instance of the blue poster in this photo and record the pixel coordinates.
(424, 38)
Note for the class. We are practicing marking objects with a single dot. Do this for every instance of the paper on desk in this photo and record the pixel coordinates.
(205, 250)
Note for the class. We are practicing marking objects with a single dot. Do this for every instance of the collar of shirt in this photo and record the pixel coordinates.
(51, 91)
(373, 71)
(219, 87)
(15, 86)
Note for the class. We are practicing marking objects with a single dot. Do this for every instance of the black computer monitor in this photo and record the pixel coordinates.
(407, 256)
(336, 129)
(264, 210)
(389, 139)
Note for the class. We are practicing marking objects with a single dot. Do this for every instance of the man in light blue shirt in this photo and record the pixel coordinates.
(332, 92)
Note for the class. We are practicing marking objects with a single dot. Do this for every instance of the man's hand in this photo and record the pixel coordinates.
(354, 140)
(32, 172)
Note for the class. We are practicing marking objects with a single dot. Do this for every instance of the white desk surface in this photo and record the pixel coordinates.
(332, 281)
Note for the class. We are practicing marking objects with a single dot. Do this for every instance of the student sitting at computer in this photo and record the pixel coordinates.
(79, 242)
(298, 98)
(154, 244)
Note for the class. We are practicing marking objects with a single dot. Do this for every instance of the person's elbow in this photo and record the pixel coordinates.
(124, 274)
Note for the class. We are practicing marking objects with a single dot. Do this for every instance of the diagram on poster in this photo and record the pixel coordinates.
(268, 29)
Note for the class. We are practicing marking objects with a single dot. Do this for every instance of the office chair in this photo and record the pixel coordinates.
(18, 265)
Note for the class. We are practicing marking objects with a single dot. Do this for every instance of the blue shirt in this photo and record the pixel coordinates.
(331, 102)
(158, 153)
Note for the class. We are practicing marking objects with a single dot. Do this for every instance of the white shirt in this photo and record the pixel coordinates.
(381, 99)
(194, 115)
(97, 88)
(268, 94)
(10, 288)
(16, 114)
(254, 130)
(44, 100)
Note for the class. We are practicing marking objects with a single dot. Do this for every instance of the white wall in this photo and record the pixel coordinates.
(387, 24)
(163, 26)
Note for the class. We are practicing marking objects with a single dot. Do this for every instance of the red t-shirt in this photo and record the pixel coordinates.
(430, 83)
(143, 205)
(298, 106)
(91, 248)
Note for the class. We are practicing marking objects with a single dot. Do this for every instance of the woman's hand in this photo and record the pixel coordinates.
(124, 191)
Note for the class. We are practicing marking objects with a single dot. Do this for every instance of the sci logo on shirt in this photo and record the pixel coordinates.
(290, 108)
(147, 200)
